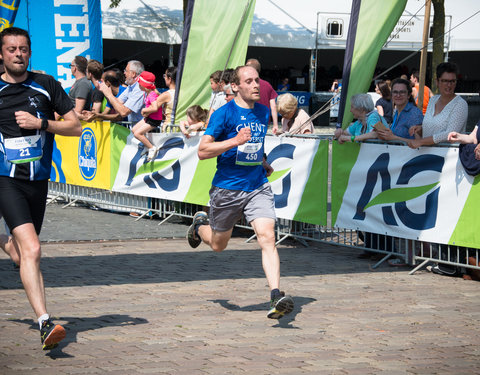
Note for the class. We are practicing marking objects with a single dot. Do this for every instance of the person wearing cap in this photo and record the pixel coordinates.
(146, 82)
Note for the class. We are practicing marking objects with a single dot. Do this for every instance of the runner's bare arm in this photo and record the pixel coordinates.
(208, 148)
(69, 127)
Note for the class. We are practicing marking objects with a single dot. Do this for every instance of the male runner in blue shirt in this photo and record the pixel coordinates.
(235, 135)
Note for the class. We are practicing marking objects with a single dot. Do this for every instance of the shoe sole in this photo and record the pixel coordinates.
(283, 307)
(194, 243)
(52, 340)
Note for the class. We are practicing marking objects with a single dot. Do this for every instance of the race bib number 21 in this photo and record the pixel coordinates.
(23, 149)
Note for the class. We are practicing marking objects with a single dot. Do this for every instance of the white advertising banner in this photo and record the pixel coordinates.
(415, 194)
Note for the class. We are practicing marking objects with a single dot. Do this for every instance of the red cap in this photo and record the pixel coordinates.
(147, 80)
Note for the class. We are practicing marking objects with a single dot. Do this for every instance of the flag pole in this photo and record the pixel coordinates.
(423, 54)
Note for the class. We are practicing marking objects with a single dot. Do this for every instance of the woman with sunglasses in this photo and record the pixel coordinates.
(405, 114)
(446, 112)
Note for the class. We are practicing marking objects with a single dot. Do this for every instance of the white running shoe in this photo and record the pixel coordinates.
(152, 152)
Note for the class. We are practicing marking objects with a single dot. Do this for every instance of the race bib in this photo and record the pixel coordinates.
(249, 154)
(23, 149)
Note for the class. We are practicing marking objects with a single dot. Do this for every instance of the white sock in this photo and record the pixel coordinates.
(42, 319)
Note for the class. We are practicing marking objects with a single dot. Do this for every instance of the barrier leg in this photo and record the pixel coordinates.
(251, 238)
(382, 260)
(51, 200)
(419, 266)
(166, 219)
(70, 203)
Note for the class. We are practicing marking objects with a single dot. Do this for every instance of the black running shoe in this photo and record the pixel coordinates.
(200, 218)
(280, 306)
(51, 334)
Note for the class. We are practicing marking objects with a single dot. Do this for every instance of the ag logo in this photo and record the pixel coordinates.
(153, 172)
(87, 154)
(282, 151)
(397, 198)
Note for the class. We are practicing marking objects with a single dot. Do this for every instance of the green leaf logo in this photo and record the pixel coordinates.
(154, 166)
(400, 194)
(278, 174)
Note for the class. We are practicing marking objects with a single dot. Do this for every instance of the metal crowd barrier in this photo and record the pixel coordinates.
(414, 253)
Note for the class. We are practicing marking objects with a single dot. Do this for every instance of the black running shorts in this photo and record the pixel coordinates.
(23, 201)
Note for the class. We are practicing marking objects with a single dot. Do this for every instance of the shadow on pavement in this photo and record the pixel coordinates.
(75, 325)
(284, 322)
(166, 267)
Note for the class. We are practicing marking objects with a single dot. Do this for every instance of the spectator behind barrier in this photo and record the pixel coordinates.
(427, 93)
(284, 85)
(229, 93)
(363, 110)
(94, 75)
(446, 112)
(130, 102)
(267, 94)
(405, 115)
(196, 119)
(294, 120)
(153, 120)
(217, 98)
(165, 99)
(81, 91)
(112, 81)
(384, 104)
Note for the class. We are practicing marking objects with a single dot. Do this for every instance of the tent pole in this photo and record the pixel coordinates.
(424, 54)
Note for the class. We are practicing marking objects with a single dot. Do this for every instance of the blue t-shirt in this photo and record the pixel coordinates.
(410, 115)
(225, 124)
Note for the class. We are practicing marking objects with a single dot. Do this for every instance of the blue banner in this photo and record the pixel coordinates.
(61, 30)
(8, 11)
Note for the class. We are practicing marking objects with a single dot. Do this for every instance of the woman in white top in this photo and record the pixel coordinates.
(294, 120)
(446, 112)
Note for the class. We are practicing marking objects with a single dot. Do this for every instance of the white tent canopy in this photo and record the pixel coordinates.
(283, 23)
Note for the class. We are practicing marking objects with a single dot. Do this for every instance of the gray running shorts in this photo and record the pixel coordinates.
(227, 206)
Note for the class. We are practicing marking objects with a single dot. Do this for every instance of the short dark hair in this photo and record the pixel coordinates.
(15, 31)
(446, 67)
(95, 68)
(120, 75)
(81, 63)
(416, 74)
(112, 77)
(235, 78)
(408, 85)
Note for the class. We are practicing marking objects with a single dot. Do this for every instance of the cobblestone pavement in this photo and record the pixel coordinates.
(159, 307)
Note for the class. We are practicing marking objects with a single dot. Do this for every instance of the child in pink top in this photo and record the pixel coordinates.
(146, 81)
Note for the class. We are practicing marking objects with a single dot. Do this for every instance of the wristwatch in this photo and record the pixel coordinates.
(44, 125)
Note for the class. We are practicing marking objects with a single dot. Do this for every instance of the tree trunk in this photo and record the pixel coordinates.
(438, 44)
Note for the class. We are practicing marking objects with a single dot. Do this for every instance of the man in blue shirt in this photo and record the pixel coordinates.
(131, 101)
(235, 135)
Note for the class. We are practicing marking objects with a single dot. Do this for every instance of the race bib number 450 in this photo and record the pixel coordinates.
(249, 154)
(23, 149)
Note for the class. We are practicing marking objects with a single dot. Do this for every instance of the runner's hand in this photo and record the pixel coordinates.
(27, 121)
(243, 136)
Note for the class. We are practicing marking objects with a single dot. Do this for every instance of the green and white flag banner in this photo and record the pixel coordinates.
(299, 181)
(394, 190)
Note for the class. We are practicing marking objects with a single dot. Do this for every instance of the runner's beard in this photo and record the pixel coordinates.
(16, 70)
